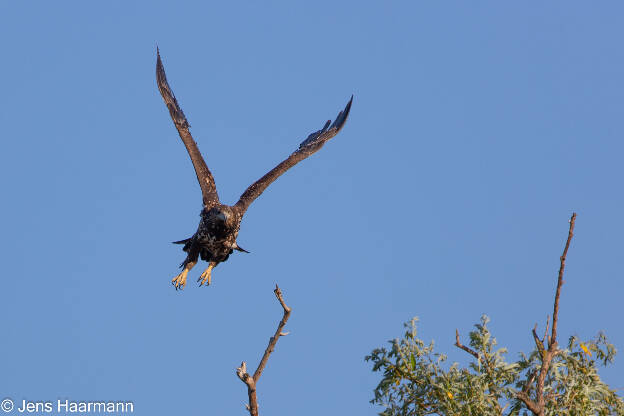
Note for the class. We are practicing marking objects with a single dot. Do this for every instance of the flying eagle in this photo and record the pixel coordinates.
(215, 238)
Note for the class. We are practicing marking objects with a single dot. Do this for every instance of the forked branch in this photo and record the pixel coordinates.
(547, 347)
(241, 371)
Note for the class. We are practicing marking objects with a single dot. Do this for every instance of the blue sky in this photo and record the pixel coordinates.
(476, 130)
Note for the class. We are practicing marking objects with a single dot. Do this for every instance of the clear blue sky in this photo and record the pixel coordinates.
(476, 130)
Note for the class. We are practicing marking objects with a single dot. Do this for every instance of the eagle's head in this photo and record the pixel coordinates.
(229, 220)
(225, 215)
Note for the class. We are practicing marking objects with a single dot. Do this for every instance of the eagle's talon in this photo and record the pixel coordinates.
(204, 279)
(206, 276)
(180, 280)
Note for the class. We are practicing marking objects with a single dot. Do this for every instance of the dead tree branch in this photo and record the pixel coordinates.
(547, 347)
(562, 259)
(241, 371)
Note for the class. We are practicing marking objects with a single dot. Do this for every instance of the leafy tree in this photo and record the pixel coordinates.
(548, 381)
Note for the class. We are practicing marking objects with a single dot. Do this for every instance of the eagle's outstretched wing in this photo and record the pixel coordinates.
(309, 146)
(206, 181)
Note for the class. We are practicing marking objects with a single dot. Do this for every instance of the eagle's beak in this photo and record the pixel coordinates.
(223, 216)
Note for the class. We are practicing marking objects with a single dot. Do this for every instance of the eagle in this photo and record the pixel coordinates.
(215, 238)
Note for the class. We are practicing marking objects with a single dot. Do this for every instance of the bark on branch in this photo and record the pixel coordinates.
(469, 350)
(241, 371)
(547, 347)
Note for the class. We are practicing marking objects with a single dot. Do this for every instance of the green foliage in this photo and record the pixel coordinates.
(572, 384)
(415, 381)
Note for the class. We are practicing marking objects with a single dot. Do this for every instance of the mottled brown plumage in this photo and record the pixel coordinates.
(215, 238)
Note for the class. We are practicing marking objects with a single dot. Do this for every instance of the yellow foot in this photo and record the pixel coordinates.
(206, 276)
(180, 280)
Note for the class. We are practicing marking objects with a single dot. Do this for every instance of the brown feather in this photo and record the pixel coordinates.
(204, 177)
(308, 147)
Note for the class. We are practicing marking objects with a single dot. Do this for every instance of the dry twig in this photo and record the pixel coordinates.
(241, 371)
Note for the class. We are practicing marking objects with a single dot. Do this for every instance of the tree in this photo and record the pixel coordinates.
(548, 381)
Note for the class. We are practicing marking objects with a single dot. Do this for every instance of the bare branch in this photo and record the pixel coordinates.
(553, 337)
(458, 344)
(274, 338)
(538, 405)
(241, 371)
